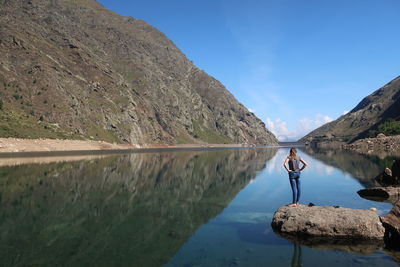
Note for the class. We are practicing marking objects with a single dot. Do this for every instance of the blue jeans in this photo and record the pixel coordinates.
(294, 179)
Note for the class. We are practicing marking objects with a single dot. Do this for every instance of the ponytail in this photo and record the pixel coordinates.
(293, 153)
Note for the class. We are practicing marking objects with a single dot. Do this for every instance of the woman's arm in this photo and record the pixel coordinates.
(304, 164)
(285, 164)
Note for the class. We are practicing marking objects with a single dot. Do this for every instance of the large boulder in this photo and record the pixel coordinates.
(328, 223)
(391, 222)
(390, 176)
(388, 194)
(380, 135)
(386, 178)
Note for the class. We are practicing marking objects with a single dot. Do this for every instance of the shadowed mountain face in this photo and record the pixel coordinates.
(131, 210)
(72, 69)
(362, 167)
(367, 115)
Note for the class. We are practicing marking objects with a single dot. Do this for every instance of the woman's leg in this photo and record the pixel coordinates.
(298, 190)
(294, 189)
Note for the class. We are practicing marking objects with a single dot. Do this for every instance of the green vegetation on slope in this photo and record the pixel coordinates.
(208, 135)
(366, 119)
(18, 124)
(388, 127)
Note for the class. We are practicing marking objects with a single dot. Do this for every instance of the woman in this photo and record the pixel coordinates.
(291, 164)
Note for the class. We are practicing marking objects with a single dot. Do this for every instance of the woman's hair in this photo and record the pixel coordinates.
(293, 152)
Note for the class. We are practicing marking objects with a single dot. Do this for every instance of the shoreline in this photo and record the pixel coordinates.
(382, 147)
(19, 147)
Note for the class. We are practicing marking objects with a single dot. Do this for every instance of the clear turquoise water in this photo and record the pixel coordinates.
(183, 208)
(241, 235)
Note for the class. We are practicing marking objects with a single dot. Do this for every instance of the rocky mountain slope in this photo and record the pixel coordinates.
(73, 69)
(373, 110)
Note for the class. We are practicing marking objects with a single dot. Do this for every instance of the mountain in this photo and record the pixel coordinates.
(73, 69)
(372, 111)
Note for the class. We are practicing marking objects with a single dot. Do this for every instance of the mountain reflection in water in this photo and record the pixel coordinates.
(362, 167)
(125, 210)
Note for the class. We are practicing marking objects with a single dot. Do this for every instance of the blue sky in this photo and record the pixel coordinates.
(295, 63)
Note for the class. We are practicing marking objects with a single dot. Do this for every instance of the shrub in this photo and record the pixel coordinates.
(388, 127)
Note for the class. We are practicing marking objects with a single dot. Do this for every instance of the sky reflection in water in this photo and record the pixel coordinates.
(241, 235)
(188, 208)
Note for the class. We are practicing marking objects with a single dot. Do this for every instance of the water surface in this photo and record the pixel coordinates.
(182, 208)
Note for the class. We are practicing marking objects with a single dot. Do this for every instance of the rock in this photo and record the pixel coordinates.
(391, 222)
(328, 223)
(386, 178)
(381, 147)
(381, 135)
(388, 171)
(388, 194)
(396, 170)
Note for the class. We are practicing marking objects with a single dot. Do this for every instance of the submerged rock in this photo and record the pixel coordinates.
(328, 223)
(362, 247)
(388, 194)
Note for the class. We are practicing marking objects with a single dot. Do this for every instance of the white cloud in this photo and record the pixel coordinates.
(321, 120)
(303, 127)
(252, 110)
(345, 112)
(323, 169)
(305, 124)
(279, 128)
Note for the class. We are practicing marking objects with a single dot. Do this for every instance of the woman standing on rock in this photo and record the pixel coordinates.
(292, 165)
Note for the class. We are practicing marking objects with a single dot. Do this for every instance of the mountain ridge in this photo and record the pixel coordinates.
(367, 115)
(82, 71)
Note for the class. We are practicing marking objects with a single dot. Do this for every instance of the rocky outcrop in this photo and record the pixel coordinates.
(391, 222)
(73, 69)
(381, 147)
(329, 223)
(367, 115)
(388, 194)
(380, 135)
(386, 178)
(390, 177)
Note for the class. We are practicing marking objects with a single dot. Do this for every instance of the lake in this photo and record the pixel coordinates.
(176, 208)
